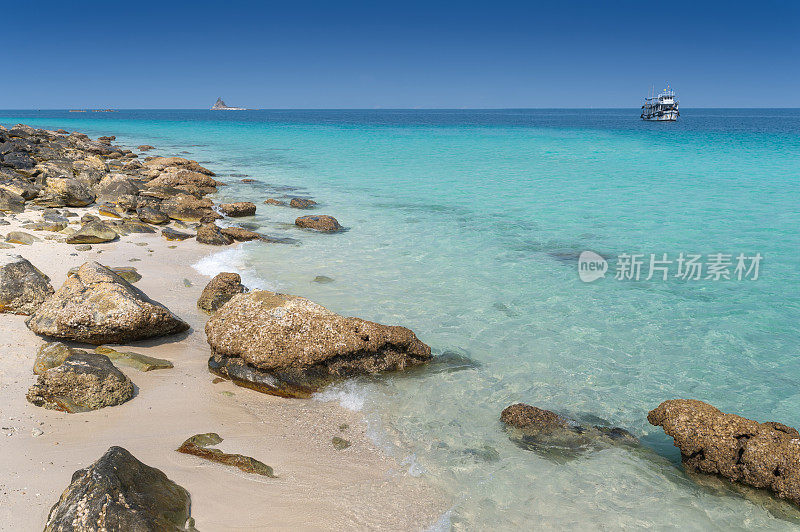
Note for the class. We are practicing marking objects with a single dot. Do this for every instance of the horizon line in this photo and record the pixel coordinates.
(112, 109)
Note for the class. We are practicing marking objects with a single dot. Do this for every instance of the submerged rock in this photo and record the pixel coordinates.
(22, 286)
(240, 234)
(97, 306)
(274, 201)
(762, 455)
(118, 492)
(288, 345)
(549, 433)
(198, 445)
(302, 203)
(134, 360)
(93, 233)
(220, 290)
(84, 381)
(322, 222)
(241, 208)
(145, 147)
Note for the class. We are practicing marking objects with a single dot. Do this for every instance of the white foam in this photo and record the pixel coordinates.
(348, 394)
(234, 260)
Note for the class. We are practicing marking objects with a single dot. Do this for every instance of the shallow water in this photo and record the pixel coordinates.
(466, 226)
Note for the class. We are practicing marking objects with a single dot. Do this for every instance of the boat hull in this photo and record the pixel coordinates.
(665, 116)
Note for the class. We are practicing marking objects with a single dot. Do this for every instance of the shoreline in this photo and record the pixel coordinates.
(317, 487)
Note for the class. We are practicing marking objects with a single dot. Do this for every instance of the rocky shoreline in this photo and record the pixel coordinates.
(64, 189)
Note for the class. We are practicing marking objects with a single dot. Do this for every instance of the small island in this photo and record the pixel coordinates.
(220, 106)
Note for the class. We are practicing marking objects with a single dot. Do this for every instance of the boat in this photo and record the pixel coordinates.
(662, 107)
(220, 106)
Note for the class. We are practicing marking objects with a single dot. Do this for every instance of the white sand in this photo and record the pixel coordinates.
(318, 487)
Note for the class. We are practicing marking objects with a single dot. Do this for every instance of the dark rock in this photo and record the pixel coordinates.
(84, 381)
(324, 223)
(273, 201)
(290, 343)
(199, 445)
(322, 279)
(22, 286)
(241, 208)
(302, 203)
(171, 234)
(549, 433)
(18, 160)
(120, 493)
(11, 202)
(211, 234)
(240, 234)
(220, 290)
(762, 455)
(97, 306)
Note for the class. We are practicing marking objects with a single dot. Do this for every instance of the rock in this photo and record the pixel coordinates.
(134, 360)
(238, 209)
(16, 184)
(547, 432)
(113, 186)
(83, 247)
(152, 216)
(211, 234)
(112, 211)
(322, 279)
(171, 234)
(107, 139)
(19, 237)
(50, 355)
(87, 218)
(22, 286)
(340, 443)
(18, 160)
(10, 201)
(97, 306)
(84, 381)
(145, 147)
(198, 445)
(159, 164)
(302, 203)
(762, 455)
(288, 345)
(130, 225)
(240, 234)
(273, 201)
(324, 223)
(186, 179)
(220, 290)
(53, 227)
(93, 233)
(128, 273)
(62, 131)
(118, 492)
(186, 207)
(64, 191)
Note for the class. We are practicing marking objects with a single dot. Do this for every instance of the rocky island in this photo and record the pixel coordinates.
(220, 106)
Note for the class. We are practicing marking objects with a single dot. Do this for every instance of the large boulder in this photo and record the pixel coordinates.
(220, 290)
(114, 186)
(238, 209)
(22, 286)
(65, 191)
(84, 381)
(549, 433)
(11, 201)
(288, 345)
(186, 179)
(762, 455)
(212, 235)
(97, 306)
(159, 164)
(186, 207)
(150, 215)
(322, 222)
(118, 492)
(93, 233)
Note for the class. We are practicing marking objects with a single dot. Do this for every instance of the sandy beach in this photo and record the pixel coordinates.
(318, 487)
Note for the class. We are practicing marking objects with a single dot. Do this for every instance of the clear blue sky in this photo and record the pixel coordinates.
(339, 54)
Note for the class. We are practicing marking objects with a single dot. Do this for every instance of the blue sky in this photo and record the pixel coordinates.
(343, 54)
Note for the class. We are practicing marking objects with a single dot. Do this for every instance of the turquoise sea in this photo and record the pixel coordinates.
(466, 227)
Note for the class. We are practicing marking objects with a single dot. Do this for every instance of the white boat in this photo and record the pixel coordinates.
(661, 107)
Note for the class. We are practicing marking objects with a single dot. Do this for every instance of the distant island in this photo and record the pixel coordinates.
(220, 106)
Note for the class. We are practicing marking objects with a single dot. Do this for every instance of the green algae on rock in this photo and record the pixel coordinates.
(134, 360)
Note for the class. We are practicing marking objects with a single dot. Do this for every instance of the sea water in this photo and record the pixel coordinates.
(467, 226)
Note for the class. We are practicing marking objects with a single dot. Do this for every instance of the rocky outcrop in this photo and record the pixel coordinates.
(93, 233)
(302, 203)
(118, 492)
(200, 445)
(322, 222)
(238, 209)
(212, 235)
(84, 381)
(549, 433)
(288, 345)
(10, 201)
(187, 180)
(23, 288)
(65, 192)
(160, 164)
(97, 306)
(220, 290)
(186, 207)
(153, 216)
(762, 455)
(113, 186)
